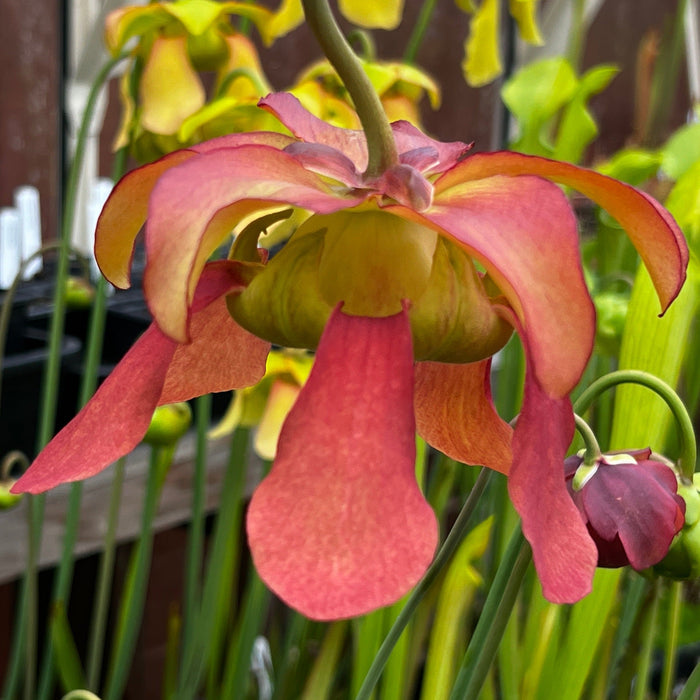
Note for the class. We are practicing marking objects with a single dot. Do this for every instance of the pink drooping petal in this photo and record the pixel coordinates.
(651, 228)
(222, 355)
(113, 422)
(455, 414)
(524, 233)
(564, 554)
(194, 206)
(125, 211)
(638, 504)
(339, 527)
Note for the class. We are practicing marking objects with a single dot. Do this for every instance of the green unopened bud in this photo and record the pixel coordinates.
(683, 558)
(79, 293)
(168, 425)
(12, 465)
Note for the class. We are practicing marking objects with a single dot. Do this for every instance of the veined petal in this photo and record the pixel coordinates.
(311, 129)
(222, 355)
(652, 230)
(455, 414)
(524, 233)
(195, 205)
(125, 211)
(340, 527)
(113, 422)
(564, 554)
(352, 143)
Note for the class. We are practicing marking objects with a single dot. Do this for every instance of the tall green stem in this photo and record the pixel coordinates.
(380, 139)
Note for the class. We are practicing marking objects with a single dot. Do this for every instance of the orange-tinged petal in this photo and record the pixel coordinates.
(113, 422)
(196, 204)
(340, 527)
(125, 211)
(564, 554)
(651, 228)
(222, 355)
(524, 233)
(455, 414)
(170, 89)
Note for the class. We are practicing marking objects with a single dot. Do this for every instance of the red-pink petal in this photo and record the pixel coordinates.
(195, 205)
(414, 149)
(125, 210)
(651, 228)
(455, 414)
(339, 527)
(564, 554)
(222, 355)
(113, 422)
(524, 233)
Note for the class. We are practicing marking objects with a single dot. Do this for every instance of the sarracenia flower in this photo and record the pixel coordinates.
(383, 279)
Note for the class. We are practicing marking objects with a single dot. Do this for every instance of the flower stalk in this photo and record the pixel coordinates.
(380, 140)
(688, 443)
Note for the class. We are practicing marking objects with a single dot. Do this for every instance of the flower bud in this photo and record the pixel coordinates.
(630, 504)
(168, 425)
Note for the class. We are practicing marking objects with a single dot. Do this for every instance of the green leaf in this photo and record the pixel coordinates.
(534, 95)
(454, 604)
(681, 151)
(632, 165)
(70, 669)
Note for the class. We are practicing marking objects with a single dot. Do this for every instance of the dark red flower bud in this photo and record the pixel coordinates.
(630, 504)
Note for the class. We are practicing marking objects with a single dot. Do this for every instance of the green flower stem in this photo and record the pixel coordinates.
(419, 30)
(688, 445)
(202, 649)
(493, 619)
(644, 659)
(380, 139)
(672, 630)
(691, 686)
(195, 542)
(593, 452)
(26, 619)
(449, 547)
(104, 580)
(136, 581)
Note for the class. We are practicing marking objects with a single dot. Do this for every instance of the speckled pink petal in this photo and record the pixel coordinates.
(455, 414)
(113, 422)
(340, 527)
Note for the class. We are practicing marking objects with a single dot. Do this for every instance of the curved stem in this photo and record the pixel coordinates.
(452, 541)
(380, 139)
(688, 444)
(593, 452)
